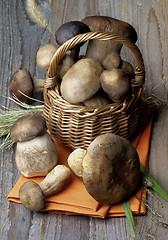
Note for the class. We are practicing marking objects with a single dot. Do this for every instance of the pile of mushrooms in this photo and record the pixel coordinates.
(110, 167)
(101, 77)
(105, 77)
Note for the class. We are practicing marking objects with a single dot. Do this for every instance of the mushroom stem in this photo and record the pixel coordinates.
(55, 180)
(38, 84)
(75, 53)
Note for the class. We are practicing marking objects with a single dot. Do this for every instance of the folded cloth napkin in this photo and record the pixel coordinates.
(75, 200)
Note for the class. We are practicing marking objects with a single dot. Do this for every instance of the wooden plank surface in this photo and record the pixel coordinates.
(19, 41)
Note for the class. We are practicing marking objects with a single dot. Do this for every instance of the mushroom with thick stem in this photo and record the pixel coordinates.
(99, 49)
(78, 86)
(21, 84)
(36, 153)
(69, 30)
(109, 168)
(45, 55)
(32, 195)
(115, 83)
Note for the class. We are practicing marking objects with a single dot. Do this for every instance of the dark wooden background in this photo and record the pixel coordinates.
(19, 41)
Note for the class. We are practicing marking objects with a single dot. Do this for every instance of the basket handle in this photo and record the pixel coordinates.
(51, 79)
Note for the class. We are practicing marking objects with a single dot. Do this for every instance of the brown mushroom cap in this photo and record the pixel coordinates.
(115, 83)
(31, 196)
(28, 127)
(108, 24)
(127, 68)
(81, 81)
(21, 80)
(100, 48)
(99, 99)
(69, 30)
(45, 54)
(111, 169)
(112, 60)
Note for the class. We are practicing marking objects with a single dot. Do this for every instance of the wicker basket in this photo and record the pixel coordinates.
(76, 126)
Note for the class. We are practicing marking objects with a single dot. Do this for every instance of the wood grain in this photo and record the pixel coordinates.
(19, 41)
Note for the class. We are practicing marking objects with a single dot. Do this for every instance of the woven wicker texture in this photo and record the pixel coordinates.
(76, 126)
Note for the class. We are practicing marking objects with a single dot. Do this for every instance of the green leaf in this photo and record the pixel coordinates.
(155, 186)
(128, 213)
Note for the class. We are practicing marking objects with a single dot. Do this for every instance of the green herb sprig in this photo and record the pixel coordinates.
(151, 184)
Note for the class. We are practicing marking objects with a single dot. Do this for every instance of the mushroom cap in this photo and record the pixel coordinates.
(99, 99)
(28, 127)
(81, 81)
(112, 60)
(45, 54)
(31, 196)
(69, 30)
(115, 83)
(111, 169)
(108, 24)
(127, 68)
(21, 80)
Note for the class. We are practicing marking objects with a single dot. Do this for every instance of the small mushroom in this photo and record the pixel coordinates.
(111, 169)
(45, 55)
(75, 161)
(22, 82)
(36, 153)
(99, 99)
(112, 60)
(81, 81)
(69, 30)
(32, 195)
(127, 68)
(98, 48)
(115, 83)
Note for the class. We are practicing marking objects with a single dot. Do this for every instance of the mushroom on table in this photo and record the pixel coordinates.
(36, 153)
(32, 195)
(22, 85)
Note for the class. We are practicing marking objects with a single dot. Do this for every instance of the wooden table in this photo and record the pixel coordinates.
(19, 41)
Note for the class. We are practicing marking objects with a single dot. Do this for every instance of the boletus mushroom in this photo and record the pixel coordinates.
(98, 48)
(22, 82)
(81, 81)
(112, 60)
(75, 161)
(111, 169)
(97, 100)
(45, 55)
(36, 153)
(69, 30)
(32, 195)
(115, 83)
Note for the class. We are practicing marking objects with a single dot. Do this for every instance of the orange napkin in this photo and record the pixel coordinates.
(75, 200)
